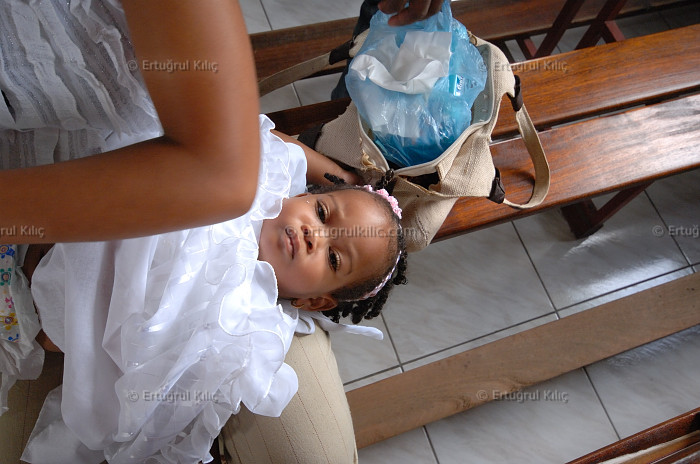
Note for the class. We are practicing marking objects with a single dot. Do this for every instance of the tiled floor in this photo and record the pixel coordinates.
(511, 278)
(471, 290)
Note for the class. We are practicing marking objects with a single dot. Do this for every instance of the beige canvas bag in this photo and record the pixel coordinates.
(465, 169)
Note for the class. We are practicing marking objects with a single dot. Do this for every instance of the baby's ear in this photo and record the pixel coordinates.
(320, 303)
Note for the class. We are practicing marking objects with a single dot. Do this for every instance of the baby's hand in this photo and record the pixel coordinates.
(349, 177)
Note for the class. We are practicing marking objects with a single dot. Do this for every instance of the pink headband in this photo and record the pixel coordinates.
(395, 207)
(382, 283)
(384, 194)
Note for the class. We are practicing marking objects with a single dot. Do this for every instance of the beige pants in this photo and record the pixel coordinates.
(314, 428)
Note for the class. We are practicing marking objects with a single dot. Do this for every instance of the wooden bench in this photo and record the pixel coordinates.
(676, 440)
(611, 117)
(562, 89)
(502, 20)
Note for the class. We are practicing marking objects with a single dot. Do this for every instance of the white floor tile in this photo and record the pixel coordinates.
(677, 199)
(515, 50)
(279, 99)
(650, 384)
(480, 341)
(371, 379)
(360, 356)
(316, 89)
(411, 447)
(553, 422)
(624, 292)
(570, 39)
(462, 289)
(254, 15)
(290, 13)
(624, 252)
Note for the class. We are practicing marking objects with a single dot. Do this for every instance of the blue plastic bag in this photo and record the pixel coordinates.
(415, 85)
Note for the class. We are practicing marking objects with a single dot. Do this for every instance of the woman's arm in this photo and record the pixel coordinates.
(317, 164)
(203, 170)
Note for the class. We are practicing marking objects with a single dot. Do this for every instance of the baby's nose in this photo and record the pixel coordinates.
(314, 237)
(309, 238)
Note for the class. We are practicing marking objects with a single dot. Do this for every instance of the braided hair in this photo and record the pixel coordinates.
(350, 298)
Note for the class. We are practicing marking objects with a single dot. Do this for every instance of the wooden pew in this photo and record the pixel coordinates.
(610, 117)
(561, 89)
(676, 440)
(502, 20)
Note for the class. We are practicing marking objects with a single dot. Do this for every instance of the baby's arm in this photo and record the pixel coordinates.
(318, 165)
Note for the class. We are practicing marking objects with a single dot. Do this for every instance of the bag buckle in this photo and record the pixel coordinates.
(517, 99)
(498, 192)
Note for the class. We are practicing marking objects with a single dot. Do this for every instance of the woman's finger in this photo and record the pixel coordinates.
(416, 10)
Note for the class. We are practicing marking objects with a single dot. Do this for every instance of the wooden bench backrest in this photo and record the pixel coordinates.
(570, 86)
(590, 158)
(603, 79)
(501, 20)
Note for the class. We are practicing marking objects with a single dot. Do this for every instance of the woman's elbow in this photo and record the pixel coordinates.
(243, 195)
(233, 192)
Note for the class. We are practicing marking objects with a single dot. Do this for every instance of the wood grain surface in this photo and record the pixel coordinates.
(417, 397)
(571, 86)
(503, 19)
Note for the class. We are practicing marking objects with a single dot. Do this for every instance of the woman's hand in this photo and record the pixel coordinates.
(415, 11)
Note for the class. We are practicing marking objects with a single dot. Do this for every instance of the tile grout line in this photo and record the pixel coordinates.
(267, 17)
(665, 224)
(393, 345)
(534, 268)
(269, 23)
(588, 300)
(602, 404)
(430, 443)
(401, 365)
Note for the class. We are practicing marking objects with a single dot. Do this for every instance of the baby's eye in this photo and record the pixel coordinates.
(321, 212)
(333, 259)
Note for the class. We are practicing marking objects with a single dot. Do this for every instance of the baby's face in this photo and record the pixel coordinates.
(320, 243)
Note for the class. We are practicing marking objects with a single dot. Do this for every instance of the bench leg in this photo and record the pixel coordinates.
(555, 33)
(561, 24)
(600, 26)
(585, 219)
(612, 33)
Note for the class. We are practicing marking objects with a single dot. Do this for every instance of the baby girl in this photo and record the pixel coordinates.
(165, 336)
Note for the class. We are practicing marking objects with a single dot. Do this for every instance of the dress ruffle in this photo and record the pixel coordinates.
(200, 335)
(217, 337)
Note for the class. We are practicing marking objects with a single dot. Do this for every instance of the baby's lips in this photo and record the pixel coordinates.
(293, 242)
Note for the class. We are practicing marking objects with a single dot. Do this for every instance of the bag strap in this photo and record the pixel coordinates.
(534, 147)
(474, 155)
(310, 67)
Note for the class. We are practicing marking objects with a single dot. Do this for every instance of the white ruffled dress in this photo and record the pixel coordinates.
(165, 336)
